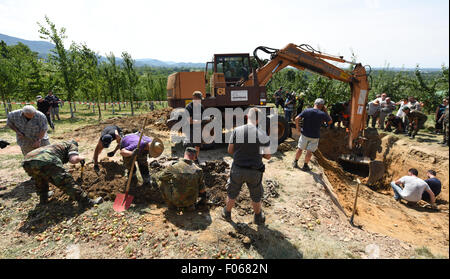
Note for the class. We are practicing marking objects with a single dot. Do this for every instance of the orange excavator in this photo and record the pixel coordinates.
(233, 82)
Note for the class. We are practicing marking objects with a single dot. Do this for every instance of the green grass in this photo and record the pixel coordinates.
(83, 116)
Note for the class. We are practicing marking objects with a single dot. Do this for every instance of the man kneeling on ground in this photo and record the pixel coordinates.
(413, 188)
(435, 185)
(182, 182)
(248, 145)
(46, 164)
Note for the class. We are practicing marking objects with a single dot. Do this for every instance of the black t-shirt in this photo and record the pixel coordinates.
(435, 185)
(248, 140)
(43, 106)
(395, 121)
(111, 130)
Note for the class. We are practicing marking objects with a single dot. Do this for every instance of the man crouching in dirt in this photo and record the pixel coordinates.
(416, 120)
(151, 147)
(182, 183)
(45, 165)
(248, 145)
(109, 134)
(413, 188)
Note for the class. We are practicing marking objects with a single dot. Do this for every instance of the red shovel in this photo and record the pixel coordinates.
(123, 201)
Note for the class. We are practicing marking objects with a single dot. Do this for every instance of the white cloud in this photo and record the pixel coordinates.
(402, 33)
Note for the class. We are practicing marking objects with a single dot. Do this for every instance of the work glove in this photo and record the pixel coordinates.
(96, 168)
(111, 154)
(3, 144)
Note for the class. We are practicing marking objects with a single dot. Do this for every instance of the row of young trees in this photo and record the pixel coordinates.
(80, 74)
(427, 87)
(76, 73)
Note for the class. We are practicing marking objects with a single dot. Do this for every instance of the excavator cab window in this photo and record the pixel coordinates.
(234, 67)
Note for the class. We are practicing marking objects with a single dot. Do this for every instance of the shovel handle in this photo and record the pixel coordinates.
(356, 198)
(134, 160)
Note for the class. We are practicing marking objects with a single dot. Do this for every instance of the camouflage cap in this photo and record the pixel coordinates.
(191, 150)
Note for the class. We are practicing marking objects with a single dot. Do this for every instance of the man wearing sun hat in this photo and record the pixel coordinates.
(109, 134)
(153, 147)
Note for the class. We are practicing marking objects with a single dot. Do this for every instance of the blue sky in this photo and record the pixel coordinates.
(380, 32)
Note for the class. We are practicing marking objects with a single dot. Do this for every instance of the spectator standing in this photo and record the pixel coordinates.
(313, 118)
(289, 106)
(30, 127)
(445, 122)
(413, 104)
(279, 100)
(373, 110)
(300, 103)
(44, 106)
(439, 112)
(248, 145)
(386, 108)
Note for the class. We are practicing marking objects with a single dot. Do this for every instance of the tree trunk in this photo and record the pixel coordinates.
(99, 112)
(71, 111)
(4, 105)
(74, 107)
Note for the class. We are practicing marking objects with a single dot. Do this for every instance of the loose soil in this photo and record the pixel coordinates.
(376, 208)
(302, 221)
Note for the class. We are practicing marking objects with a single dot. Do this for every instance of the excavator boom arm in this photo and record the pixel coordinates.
(295, 56)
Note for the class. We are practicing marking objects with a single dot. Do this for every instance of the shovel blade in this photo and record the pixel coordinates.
(122, 202)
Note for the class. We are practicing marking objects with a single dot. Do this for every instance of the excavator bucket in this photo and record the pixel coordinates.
(363, 166)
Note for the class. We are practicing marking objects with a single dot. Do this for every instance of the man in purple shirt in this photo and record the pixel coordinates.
(128, 149)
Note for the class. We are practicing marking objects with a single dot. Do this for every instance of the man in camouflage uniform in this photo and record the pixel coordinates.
(46, 164)
(445, 120)
(182, 182)
(416, 120)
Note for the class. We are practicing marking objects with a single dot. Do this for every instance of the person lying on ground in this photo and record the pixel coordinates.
(46, 164)
(435, 185)
(182, 183)
(413, 188)
(109, 134)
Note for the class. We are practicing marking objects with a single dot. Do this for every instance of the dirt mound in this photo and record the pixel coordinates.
(108, 182)
(156, 120)
(285, 147)
(216, 174)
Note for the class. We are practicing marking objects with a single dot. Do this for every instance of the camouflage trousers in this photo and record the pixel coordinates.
(414, 129)
(27, 148)
(44, 173)
(142, 163)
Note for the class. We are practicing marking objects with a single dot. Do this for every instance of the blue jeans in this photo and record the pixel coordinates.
(397, 191)
(287, 115)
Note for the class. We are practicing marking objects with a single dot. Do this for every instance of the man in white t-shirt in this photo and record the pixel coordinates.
(413, 188)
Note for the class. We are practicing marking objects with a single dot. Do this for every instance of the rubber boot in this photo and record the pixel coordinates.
(226, 214)
(260, 218)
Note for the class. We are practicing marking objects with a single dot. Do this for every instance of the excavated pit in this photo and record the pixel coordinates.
(111, 180)
(397, 155)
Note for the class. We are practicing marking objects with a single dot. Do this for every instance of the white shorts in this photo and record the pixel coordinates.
(310, 144)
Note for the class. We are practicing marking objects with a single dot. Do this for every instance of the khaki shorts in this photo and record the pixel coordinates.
(309, 144)
(251, 177)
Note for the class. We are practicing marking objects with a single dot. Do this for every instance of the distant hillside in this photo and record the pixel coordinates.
(43, 49)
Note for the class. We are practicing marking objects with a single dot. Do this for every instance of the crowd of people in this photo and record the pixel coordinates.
(181, 184)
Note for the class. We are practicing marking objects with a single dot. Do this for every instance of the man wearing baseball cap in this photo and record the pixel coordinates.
(109, 134)
(313, 118)
(194, 118)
